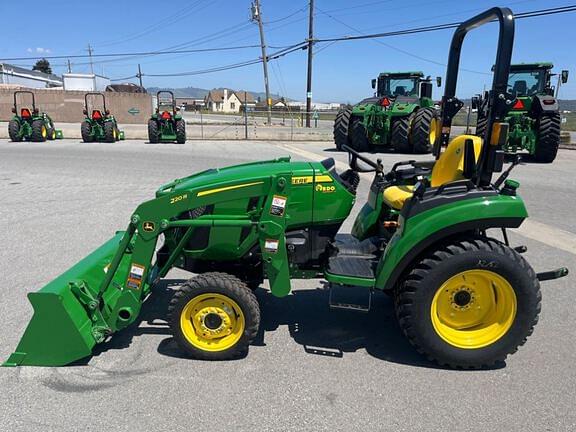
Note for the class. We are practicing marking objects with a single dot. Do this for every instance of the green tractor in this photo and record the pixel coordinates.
(29, 124)
(401, 116)
(166, 124)
(462, 297)
(99, 125)
(534, 120)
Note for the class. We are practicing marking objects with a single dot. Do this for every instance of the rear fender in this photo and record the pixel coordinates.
(424, 230)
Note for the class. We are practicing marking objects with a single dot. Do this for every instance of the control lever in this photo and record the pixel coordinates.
(505, 174)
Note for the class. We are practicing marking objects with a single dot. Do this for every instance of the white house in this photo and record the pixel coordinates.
(228, 101)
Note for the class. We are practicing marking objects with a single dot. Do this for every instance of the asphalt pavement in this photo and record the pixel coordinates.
(310, 369)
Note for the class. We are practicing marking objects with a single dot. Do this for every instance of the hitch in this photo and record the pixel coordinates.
(552, 274)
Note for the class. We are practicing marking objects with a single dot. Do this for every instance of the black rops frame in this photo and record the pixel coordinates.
(25, 92)
(499, 100)
(94, 94)
(173, 99)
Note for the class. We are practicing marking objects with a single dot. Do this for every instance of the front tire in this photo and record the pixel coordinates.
(341, 125)
(180, 131)
(14, 130)
(214, 316)
(548, 138)
(424, 130)
(469, 304)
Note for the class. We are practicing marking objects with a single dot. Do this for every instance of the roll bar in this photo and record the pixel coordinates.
(28, 92)
(171, 94)
(94, 94)
(499, 100)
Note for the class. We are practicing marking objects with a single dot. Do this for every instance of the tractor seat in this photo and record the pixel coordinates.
(448, 168)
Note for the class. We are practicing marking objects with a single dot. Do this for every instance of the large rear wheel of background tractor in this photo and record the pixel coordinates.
(424, 130)
(39, 131)
(14, 130)
(153, 134)
(181, 131)
(214, 316)
(110, 132)
(469, 303)
(341, 125)
(86, 131)
(548, 138)
(400, 137)
(358, 137)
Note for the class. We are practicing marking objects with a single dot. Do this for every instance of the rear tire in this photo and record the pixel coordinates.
(14, 130)
(548, 138)
(180, 131)
(39, 131)
(86, 130)
(214, 316)
(400, 136)
(110, 132)
(424, 130)
(358, 137)
(469, 304)
(341, 125)
(153, 131)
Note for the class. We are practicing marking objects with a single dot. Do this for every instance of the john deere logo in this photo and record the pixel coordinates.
(148, 226)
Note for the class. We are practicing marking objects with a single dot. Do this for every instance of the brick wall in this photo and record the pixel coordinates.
(67, 106)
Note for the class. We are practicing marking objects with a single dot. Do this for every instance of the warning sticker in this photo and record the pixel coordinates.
(135, 277)
(271, 245)
(278, 205)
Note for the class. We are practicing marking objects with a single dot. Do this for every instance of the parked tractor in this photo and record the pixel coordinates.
(99, 125)
(401, 116)
(166, 124)
(425, 235)
(29, 124)
(534, 120)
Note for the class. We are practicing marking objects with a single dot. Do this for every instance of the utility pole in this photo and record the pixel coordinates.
(140, 75)
(309, 78)
(257, 16)
(69, 66)
(90, 54)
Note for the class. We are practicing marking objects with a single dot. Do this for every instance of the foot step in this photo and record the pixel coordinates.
(350, 298)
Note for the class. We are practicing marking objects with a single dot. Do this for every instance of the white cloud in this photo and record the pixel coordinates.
(39, 50)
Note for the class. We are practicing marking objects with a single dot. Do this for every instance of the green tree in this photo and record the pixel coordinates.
(43, 65)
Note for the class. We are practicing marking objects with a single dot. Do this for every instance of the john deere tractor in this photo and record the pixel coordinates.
(463, 298)
(166, 124)
(99, 125)
(29, 124)
(400, 116)
(534, 120)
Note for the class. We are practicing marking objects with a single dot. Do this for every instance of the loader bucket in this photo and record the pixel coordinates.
(63, 329)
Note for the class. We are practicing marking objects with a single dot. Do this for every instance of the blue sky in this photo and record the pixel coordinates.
(342, 71)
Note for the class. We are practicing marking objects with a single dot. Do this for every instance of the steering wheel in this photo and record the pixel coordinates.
(353, 157)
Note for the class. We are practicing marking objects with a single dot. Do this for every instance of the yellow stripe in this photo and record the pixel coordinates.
(323, 179)
(227, 188)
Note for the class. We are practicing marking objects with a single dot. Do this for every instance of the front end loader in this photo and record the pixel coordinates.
(166, 124)
(401, 116)
(29, 124)
(463, 298)
(99, 125)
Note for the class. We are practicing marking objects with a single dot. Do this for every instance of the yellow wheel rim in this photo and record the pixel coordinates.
(114, 133)
(53, 134)
(44, 132)
(473, 309)
(433, 134)
(212, 322)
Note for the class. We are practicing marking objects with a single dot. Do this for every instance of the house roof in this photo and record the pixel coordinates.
(8, 68)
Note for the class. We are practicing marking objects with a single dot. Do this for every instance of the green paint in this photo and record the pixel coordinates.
(133, 111)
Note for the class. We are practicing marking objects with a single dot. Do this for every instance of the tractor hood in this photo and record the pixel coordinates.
(221, 177)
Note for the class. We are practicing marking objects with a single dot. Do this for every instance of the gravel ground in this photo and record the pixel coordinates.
(311, 368)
